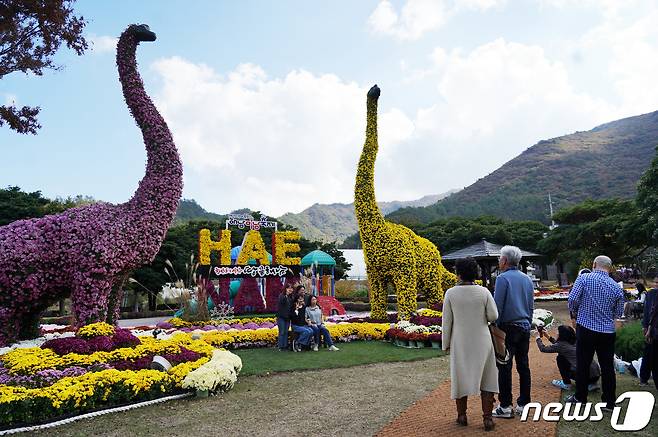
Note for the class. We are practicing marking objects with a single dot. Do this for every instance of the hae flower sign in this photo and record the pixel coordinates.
(284, 243)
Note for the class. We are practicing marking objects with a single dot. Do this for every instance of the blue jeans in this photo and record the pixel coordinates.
(283, 326)
(322, 330)
(305, 333)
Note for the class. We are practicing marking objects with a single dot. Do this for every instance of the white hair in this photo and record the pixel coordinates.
(512, 254)
(603, 262)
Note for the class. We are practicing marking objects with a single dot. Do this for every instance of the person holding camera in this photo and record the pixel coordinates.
(565, 348)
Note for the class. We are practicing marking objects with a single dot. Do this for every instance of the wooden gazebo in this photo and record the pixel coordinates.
(486, 254)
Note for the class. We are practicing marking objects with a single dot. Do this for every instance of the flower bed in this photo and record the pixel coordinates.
(265, 337)
(75, 375)
(553, 293)
(405, 333)
(425, 317)
(243, 323)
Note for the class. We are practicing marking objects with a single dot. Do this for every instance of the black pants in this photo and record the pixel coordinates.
(645, 368)
(603, 344)
(567, 373)
(654, 361)
(517, 340)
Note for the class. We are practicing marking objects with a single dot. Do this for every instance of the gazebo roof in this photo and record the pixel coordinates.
(483, 250)
(318, 257)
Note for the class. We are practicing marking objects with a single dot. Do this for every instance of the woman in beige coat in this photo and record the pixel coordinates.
(466, 310)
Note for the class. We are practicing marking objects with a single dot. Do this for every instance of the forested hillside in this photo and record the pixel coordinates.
(604, 162)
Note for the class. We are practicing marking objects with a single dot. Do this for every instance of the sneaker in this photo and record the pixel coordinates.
(644, 383)
(333, 348)
(294, 346)
(571, 399)
(315, 347)
(519, 409)
(608, 408)
(504, 413)
(593, 387)
(560, 384)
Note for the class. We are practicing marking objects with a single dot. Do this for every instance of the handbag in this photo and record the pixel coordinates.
(500, 349)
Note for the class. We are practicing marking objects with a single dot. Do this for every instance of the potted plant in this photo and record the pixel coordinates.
(403, 338)
(435, 339)
(419, 340)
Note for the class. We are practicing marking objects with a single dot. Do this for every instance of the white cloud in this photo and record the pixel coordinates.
(416, 18)
(273, 144)
(492, 103)
(102, 43)
(479, 5)
(11, 99)
(629, 44)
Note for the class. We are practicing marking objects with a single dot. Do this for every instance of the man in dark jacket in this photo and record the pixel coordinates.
(649, 300)
(283, 317)
(652, 337)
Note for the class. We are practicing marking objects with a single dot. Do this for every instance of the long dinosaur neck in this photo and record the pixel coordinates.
(365, 204)
(160, 190)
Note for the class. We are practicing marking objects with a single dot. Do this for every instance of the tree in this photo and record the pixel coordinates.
(31, 32)
(16, 204)
(592, 228)
(647, 203)
(457, 232)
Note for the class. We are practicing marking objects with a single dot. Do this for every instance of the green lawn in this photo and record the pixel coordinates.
(624, 383)
(270, 360)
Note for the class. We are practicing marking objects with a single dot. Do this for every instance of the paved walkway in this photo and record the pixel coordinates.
(435, 414)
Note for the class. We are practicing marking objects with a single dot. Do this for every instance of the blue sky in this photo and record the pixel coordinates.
(266, 100)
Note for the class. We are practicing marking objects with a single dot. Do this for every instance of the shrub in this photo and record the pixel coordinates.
(630, 342)
(352, 290)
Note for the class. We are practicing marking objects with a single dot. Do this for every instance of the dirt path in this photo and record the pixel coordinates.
(356, 401)
(435, 414)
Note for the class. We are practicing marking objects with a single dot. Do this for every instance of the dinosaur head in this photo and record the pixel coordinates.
(142, 32)
(374, 92)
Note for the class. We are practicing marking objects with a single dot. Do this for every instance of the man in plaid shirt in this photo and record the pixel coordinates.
(597, 300)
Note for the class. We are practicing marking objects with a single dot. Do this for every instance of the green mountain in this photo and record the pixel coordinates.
(189, 210)
(604, 162)
(336, 221)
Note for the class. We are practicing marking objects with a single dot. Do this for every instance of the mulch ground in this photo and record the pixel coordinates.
(435, 414)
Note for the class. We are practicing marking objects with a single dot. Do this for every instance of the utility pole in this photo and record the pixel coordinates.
(550, 206)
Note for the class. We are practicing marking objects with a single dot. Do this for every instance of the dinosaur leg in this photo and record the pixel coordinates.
(89, 298)
(10, 325)
(114, 300)
(405, 288)
(431, 284)
(378, 304)
(29, 325)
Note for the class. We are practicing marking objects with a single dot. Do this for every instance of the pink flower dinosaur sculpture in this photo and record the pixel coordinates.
(87, 252)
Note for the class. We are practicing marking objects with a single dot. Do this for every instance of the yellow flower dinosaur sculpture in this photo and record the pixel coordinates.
(393, 253)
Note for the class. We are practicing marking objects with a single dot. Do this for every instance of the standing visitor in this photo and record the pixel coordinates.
(314, 319)
(466, 310)
(651, 337)
(598, 300)
(635, 306)
(283, 317)
(647, 359)
(514, 296)
(300, 326)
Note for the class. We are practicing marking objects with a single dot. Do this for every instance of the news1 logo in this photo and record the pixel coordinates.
(638, 412)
